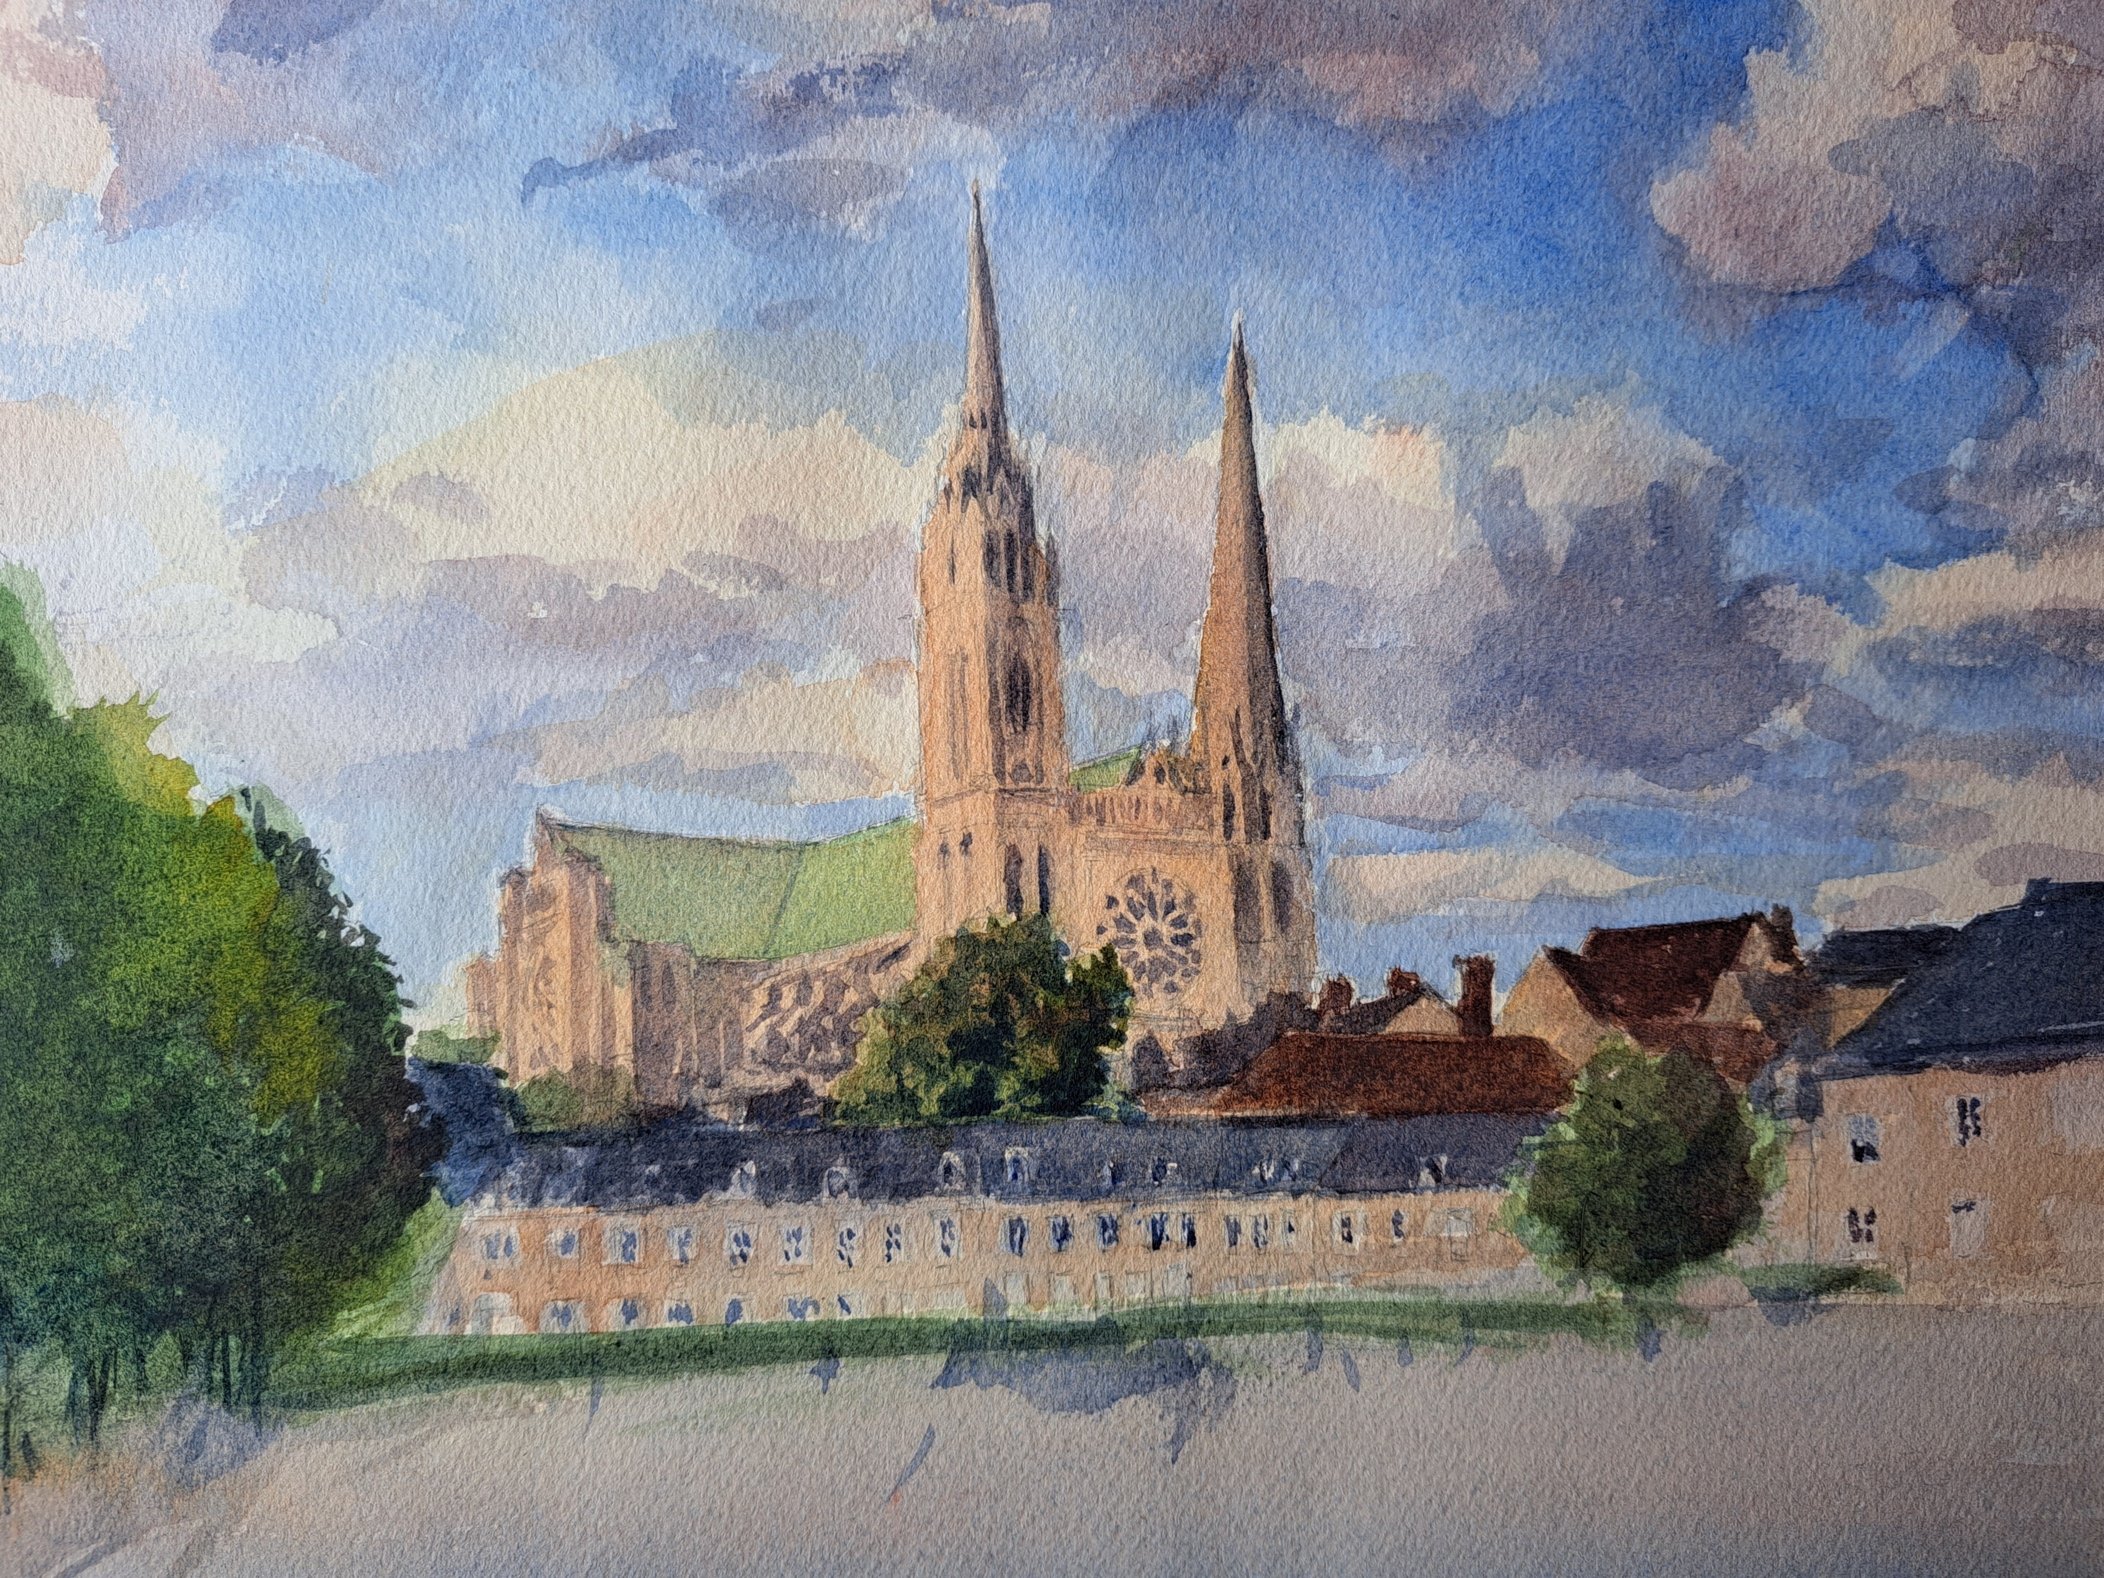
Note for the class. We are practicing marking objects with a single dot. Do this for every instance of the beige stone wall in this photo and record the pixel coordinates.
(2014, 1212)
(515, 1270)
(1542, 1004)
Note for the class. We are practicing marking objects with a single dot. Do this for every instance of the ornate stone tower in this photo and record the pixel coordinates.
(1241, 745)
(993, 722)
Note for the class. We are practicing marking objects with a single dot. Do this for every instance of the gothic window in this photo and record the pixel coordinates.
(1249, 918)
(1012, 879)
(1029, 574)
(1281, 897)
(1152, 921)
(953, 564)
(1227, 813)
(993, 558)
(1019, 698)
(1044, 881)
(1011, 561)
(1263, 813)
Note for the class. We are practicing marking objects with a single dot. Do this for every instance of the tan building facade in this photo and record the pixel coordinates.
(1192, 863)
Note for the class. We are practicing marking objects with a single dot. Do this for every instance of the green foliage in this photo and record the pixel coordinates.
(206, 1135)
(451, 1046)
(997, 1023)
(581, 1098)
(1657, 1165)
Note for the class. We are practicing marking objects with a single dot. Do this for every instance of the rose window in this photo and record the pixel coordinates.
(1152, 921)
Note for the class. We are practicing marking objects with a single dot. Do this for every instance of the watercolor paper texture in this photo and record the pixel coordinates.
(1082, 786)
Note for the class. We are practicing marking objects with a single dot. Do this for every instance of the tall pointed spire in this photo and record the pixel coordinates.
(1239, 725)
(984, 405)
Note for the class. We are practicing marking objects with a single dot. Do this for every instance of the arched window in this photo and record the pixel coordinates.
(1012, 879)
(1281, 897)
(1263, 813)
(1029, 573)
(1227, 813)
(1249, 913)
(1044, 881)
(1019, 696)
(1011, 561)
(993, 557)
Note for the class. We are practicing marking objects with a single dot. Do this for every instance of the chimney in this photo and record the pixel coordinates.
(1337, 994)
(1478, 970)
(1404, 983)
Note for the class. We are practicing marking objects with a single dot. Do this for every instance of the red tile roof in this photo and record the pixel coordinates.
(1307, 1074)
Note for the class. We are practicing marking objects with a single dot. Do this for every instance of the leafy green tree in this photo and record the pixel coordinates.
(579, 1098)
(997, 1023)
(1657, 1165)
(440, 1045)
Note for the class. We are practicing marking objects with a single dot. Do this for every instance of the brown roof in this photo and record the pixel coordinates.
(1307, 1074)
(1630, 974)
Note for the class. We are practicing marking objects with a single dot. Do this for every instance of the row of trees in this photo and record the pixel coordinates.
(206, 1132)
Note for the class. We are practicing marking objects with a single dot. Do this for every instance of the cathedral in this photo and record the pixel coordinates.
(716, 972)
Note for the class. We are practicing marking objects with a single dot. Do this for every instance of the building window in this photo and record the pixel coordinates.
(733, 1311)
(1264, 821)
(624, 1245)
(796, 1244)
(1281, 895)
(1862, 1226)
(1016, 1234)
(745, 1180)
(1106, 1231)
(1862, 1137)
(992, 556)
(1260, 1232)
(847, 1245)
(849, 1304)
(1164, 1170)
(1012, 880)
(1187, 1232)
(1227, 813)
(1968, 1228)
(1346, 1227)
(1288, 1232)
(561, 1316)
(1431, 1171)
(737, 1246)
(964, 846)
(1044, 881)
(1009, 555)
(1061, 1231)
(1231, 1231)
(1249, 913)
(950, 1175)
(1460, 1226)
(1157, 1229)
(679, 1313)
(1399, 1225)
(500, 1245)
(894, 1243)
(1015, 1166)
(562, 1243)
(1019, 699)
(628, 1314)
(801, 1308)
(836, 1181)
(946, 1238)
(679, 1245)
(1029, 574)
(1968, 1115)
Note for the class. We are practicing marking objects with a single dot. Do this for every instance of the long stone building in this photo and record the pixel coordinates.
(716, 970)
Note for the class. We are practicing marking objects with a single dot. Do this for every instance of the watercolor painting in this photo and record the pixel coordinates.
(951, 786)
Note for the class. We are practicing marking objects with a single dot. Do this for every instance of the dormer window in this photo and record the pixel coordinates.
(836, 1181)
(1164, 1170)
(745, 1180)
(950, 1175)
(1015, 1166)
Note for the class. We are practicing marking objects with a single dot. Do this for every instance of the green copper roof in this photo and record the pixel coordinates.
(731, 898)
(1106, 772)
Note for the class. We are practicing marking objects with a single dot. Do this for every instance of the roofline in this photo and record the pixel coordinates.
(2044, 1049)
(564, 825)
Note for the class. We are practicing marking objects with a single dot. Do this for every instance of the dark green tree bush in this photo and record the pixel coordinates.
(1657, 1165)
(998, 1022)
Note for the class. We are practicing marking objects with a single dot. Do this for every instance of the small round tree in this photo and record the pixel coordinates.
(998, 1023)
(1657, 1165)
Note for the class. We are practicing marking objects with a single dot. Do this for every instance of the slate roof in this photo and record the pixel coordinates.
(2017, 987)
(1308, 1074)
(685, 1161)
(1881, 956)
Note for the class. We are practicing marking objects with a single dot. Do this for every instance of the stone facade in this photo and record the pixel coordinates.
(1190, 862)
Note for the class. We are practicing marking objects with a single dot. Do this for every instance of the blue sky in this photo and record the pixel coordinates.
(1678, 417)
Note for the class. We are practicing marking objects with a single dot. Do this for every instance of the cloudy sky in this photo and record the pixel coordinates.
(1681, 419)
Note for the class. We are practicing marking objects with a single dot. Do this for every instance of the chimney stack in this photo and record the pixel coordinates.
(1472, 1008)
(1403, 983)
(1337, 995)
